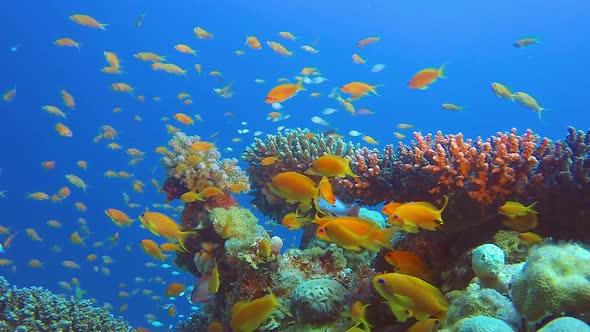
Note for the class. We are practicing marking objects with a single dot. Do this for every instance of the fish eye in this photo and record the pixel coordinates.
(381, 281)
(321, 230)
(395, 216)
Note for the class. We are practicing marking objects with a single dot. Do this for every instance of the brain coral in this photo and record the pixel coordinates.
(554, 279)
(318, 301)
(481, 324)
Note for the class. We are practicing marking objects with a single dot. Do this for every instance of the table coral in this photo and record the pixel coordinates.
(37, 309)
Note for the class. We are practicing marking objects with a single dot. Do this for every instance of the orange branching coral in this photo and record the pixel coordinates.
(197, 170)
(504, 166)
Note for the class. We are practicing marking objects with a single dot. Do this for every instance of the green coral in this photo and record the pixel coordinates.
(514, 250)
(555, 279)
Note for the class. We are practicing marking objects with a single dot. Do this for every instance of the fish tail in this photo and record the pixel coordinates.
(374, 87)
(441, 71)
(162, 257)
(182, 236)
(532, 206)
(384, 237)
(300, 85)
(442, 208)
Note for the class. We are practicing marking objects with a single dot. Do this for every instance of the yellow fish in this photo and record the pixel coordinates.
(247, 316)
(412, 216)
(513, 209)
(410, 296)
(331, 165)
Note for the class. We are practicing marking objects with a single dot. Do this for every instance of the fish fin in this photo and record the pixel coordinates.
(441, 71)
(384, 236)
(401, 314)
(421, 316)
(182, 236)
(410, 228)
(531, 207)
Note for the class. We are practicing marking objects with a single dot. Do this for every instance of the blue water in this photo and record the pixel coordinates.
(474, 39)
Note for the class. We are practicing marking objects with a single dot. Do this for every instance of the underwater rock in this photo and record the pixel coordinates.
(318, 301)
(554, 279)
(565, 324)
(481, 324)
(487, 261)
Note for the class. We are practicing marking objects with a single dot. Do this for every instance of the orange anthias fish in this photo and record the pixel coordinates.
(410, 217)
(282, 92)
(358, 90)
(202, 33)
(425, 77)
(174, 289)
(162, 225)
(522, 223)
(513, 209)
(278, 48)
(358, 314)
(151, 248)
(253, 42)
(367, 41)
(247, 316)
(354, 233)
(408, 263)
(410, 296)
(525, 42)
(331, 165)
(119, 217)
(296, 188)
(87, 21)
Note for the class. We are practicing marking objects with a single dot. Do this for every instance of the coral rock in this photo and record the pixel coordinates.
(318, 301)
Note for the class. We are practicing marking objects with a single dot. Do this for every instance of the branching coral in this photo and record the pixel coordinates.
(37, 309)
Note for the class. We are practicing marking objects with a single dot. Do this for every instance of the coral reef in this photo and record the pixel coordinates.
(555, 279)
(197, 169)
(565, 324)
(318, 301)
(487, 261)
(481, 324)
(476, 301)
(294, 151)
(37, 309)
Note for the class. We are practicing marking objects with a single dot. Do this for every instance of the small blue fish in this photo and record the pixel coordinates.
(339, 209)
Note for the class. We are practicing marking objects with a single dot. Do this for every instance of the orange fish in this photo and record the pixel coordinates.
(367, 41)
(67, 42)
(201, 146)
(282, 92)
(63, 130)
(68, 99)
(174, 289)
(357, 59)
(185, 49)
(293, 221)
(358, 90)
(253, 42)
(354, 233)
(119, 217)
(530, 237)
(522, 223)
(410, 217)
(525, 42)
(410, 296)
(162, 225)
(296, 188)
(408, 263)
(202, 33)
(278, 48)
(9, 95)
(183, 118)
(87, 21)
(331, 165)
(269, 160)
(151, 248)
(425, 77)
(50, 164)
